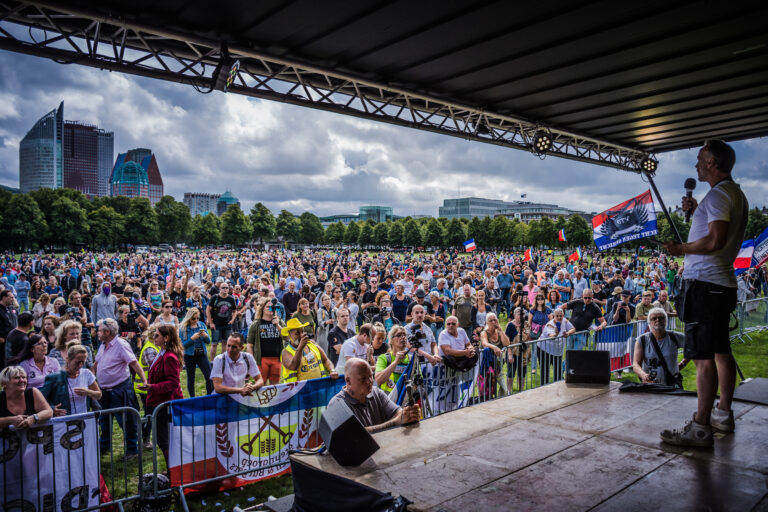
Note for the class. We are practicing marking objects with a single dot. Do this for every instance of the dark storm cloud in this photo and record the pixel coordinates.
(303, 159)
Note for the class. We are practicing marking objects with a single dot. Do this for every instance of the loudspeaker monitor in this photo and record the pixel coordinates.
(344, 436)
(587, 366)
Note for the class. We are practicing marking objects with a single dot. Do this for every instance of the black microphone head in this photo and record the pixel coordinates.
(690, 184)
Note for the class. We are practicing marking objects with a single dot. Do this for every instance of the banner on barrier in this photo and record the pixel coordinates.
(216, 435)
(52, 466)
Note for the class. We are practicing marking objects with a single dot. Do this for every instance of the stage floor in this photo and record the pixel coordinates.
(566, 447)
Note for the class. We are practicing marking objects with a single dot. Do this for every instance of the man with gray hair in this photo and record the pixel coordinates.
(114, 362)
(655, 359)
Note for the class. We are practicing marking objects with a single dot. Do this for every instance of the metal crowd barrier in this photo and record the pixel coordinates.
(753, 317)
(58, 459)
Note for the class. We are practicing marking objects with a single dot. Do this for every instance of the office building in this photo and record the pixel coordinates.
(527, 211)
(129, 179)
(376, 213)
(40, 153)
(468, 207)
(145, 159)
(223, 202)
(200, 203)
(57, 153)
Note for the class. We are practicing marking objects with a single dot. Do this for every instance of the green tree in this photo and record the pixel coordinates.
(121, 204)
(288, 226)
(411, 234)
(263, 222)
(24, 222)
(141, 225)
(352, 233)
(534, 234)
(578, 231)
(483, 238)
(381, 233)
(106, 227)
(455, 234)
(756, 223)
(547, 232)
(520, 233)
(665, 231)
(173, 220)
(311, 229)
(395, 235)
(334, 235)
(206, 230)
(434, 234)
(474, 230)
(365, 238)
(69, 222)
(236, 228)
(499, 232)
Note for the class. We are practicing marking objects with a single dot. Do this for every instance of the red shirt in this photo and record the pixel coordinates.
(164, 379)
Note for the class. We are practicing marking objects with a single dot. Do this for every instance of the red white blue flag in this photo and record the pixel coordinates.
(528, 254)
(744, 259)
(469, 245)
(633, 219)
(561, 235)
(760, 255)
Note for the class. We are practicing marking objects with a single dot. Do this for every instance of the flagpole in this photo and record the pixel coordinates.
(663, 207)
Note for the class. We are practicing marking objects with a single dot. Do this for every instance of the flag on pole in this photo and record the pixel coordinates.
(528, 254)
(633, 219)
(576, 255)
(524, 195)
(760, 255)
(469, 245)
(561, 235)
(744, 259)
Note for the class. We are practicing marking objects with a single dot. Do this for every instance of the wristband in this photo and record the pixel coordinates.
(36, 418)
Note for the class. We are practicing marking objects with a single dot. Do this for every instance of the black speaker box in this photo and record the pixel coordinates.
(344, 436)
(587, 366)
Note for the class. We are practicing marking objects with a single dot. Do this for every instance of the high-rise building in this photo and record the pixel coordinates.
(224, 201)
(377, 213)
(145, 159)
(200, 203)
(106, 158)
(129, 179)
(40, 153)
(57, 153)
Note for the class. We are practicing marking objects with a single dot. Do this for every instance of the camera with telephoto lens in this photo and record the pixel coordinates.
(74, 312)
(416, 337)
(653, 371)
(273, 305)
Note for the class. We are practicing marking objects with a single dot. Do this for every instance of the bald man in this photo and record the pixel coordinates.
(368, 403)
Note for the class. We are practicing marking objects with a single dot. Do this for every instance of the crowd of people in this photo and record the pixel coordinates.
(96, 330)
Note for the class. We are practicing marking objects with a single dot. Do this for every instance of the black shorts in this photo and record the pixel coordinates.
(707, 330)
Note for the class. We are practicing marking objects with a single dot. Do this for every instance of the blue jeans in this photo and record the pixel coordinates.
(121, 395)
(23, 304)
(504, 300)
(200, 361)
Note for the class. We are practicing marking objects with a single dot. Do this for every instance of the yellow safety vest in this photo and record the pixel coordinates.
(144, 365)
(309, 369)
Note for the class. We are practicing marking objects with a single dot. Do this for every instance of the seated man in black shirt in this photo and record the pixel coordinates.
(369, 403)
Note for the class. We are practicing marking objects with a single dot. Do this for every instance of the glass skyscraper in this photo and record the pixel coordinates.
(40, 153)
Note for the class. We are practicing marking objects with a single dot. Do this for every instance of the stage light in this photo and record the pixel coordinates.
(649, 164)
(542, 142)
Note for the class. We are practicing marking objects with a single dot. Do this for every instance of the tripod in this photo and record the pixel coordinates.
(414, 386)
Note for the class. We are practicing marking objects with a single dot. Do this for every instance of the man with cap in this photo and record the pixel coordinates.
(301, 358)
(623, 310)
(420, 301)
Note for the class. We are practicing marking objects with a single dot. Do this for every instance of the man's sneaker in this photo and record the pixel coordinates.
(692, 434)
(722, 420)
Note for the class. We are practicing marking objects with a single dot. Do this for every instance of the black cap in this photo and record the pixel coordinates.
(420, 293)
(626, 292)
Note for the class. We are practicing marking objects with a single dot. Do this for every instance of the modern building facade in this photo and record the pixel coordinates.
(129, 179)
(145, 159)
(200, 203)
(40, 153)
(376, 213)
(223, 202)
(527, 211)
(57, 153)
(468, 207)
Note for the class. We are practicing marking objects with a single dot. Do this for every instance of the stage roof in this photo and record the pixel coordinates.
(612, 81)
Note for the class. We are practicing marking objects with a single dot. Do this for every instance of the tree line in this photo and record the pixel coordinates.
(66, 218)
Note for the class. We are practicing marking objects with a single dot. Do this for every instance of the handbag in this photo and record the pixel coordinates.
(673, 379)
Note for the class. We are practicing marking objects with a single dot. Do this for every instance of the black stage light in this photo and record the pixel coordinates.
(649, 164)
(542, 142)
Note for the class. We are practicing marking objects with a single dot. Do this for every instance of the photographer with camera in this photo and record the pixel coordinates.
(420, 336)
(655, 358)
(131, 324)
(623, 310)
(302, 359)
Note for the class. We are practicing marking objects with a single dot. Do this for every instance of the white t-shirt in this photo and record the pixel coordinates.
(79, 404)
(351, 348)
(725, 201)
(457, 342)
(233, 373)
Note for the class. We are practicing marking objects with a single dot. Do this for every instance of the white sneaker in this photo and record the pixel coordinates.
(692, 434)
(722, 420)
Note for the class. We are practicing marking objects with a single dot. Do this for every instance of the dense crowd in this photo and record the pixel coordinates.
(96, 330)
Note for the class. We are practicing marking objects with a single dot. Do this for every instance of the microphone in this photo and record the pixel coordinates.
(690, 184)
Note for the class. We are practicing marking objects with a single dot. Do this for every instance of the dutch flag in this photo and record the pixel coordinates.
(469, 245)
(744, 259)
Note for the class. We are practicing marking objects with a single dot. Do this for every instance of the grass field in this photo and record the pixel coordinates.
(752, 357)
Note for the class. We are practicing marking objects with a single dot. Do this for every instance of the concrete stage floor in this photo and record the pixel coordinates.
(565, 447)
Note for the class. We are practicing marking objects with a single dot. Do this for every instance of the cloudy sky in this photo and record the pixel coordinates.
(302, 159)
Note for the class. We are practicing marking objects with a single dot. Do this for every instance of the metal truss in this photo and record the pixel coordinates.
(77, 36)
